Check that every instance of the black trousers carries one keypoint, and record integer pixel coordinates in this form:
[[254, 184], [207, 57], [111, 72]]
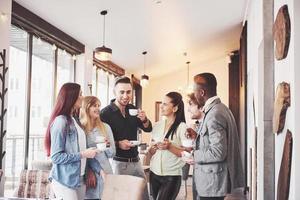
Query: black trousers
[[164, 187]]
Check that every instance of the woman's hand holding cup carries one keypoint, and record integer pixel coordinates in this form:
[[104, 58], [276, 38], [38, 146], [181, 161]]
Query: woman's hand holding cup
[[89, 153]]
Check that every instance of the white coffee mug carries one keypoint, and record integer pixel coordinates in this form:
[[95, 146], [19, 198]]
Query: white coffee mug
[[187, 143], [101, 146], [133, 112]]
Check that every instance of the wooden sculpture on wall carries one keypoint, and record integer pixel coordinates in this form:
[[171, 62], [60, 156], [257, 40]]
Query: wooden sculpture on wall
[[283, 184], [281, 104], [282, 32]]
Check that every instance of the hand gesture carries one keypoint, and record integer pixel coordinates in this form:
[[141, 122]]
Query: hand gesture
[[91, 180], [89, 153], [153, 149], [141, 115], [164, 145], [190, 133]]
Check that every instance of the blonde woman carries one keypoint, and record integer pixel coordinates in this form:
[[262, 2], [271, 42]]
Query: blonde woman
[[96, 129]]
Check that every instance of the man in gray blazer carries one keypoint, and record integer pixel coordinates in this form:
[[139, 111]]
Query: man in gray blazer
[[217, 159]]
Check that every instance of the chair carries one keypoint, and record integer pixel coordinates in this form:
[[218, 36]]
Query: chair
[[33, 184], [124, 187], [41, 164]]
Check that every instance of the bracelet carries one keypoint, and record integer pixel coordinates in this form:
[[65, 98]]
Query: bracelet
[[145, 120]]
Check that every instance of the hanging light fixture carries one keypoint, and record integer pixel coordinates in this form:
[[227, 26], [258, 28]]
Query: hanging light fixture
[[144, 78], [103, 53], [189, 88]]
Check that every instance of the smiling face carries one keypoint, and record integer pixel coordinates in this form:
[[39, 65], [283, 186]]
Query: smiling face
[[194, 111], [94, 110], [123, 93], [167, 107]]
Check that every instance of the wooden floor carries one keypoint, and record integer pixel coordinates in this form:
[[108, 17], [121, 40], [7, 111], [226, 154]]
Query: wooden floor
[[237, 195]]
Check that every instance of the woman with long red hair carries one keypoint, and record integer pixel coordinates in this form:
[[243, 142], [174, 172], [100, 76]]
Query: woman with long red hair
[[65, 143]]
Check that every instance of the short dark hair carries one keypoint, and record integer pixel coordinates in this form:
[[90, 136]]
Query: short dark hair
[[122, 79], [209, 84]]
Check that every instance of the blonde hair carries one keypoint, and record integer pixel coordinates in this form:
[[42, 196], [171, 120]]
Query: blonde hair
[[85, 117]]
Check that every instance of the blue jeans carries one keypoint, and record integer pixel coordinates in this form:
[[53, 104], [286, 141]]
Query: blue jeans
[[131, 168]]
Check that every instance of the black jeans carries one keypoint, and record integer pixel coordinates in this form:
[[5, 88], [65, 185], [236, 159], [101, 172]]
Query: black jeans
[[164, 187]]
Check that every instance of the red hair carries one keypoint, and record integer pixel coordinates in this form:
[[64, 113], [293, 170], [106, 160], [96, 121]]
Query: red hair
[[65, 101]]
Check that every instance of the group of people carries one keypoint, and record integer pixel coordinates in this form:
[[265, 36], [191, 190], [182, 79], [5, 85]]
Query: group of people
[[79, 168]]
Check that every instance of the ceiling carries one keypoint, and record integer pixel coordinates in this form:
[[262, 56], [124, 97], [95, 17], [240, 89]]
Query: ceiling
[[206, 30]]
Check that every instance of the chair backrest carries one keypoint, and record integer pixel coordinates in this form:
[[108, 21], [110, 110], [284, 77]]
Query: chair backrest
[[124, 187], [41, 164], [33, 184]]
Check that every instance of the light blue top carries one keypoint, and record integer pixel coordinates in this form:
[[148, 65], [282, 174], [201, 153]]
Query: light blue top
[[100, 159], [65, 153]]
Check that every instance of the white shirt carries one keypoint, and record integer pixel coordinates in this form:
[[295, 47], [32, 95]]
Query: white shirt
[[82, 145], [164, 162], [208, 102]]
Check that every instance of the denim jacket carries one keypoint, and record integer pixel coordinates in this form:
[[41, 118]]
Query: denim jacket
[[65, 153]]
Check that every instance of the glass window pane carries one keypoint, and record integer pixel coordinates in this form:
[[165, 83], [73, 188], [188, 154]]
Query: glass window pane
[[14, 158], [41, 98], [111, 87], [94, 81], [65, 68], [102, 90]]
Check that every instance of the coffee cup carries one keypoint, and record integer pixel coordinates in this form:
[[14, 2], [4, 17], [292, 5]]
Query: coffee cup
[[134, 142], [133, 112], [187, 143], [101, 146]]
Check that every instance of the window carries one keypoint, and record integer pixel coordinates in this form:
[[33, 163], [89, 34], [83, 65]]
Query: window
[[65, 68], [16, 108], [41, 98], [36, 69]]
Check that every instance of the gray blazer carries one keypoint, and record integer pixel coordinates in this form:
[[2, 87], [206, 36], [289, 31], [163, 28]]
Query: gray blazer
[[218, 165]]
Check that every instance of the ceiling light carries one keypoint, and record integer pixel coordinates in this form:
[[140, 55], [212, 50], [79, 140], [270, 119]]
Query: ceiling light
[[74, 57], [144, 78], [3, 16], [103, 53]]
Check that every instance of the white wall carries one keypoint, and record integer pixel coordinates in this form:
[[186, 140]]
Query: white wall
[[5, 7], [285, 70], [160, 86]]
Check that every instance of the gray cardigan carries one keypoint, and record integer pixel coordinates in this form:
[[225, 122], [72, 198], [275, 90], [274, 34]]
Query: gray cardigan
[[217, 155], [102, 158]]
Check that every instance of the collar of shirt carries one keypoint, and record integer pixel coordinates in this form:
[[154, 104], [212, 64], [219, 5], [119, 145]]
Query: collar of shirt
[[113, 106], [208, 102]]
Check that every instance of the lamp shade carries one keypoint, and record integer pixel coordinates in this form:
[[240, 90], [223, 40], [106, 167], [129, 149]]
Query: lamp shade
[[144, 81], [103, 53]]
